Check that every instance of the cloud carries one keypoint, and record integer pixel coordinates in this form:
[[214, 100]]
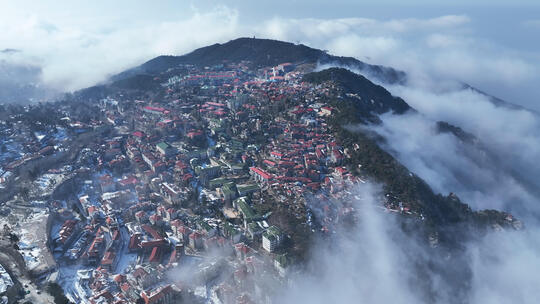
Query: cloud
[[532, 23], [497, 170], [501, 265], [283, 28], [442, 41], [377, 260], [20, 81], [449, 21], [361, 266], [72, 57], [429, 50], [373, 261], [471, 170]]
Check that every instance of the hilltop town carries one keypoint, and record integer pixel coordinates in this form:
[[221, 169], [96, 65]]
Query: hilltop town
[[199, 184]]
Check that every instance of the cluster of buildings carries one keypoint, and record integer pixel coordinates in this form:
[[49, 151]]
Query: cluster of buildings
[[181, 188]]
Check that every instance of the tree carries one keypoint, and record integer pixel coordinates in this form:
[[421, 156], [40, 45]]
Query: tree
[[58, 293], [25, 193]]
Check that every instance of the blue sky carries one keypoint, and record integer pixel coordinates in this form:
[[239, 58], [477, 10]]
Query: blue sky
[[490, 44]]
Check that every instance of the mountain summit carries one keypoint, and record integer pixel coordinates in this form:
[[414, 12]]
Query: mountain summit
[[261, 53]]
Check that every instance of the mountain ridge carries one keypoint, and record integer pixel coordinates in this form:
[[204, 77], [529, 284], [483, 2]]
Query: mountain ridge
[[262, 52], [375, 100], [362, 108], [279, 52]]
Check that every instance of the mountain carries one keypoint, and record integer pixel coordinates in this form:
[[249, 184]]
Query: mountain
[[370, 99], [358, 101], [497, 101], [262, 53], [269, 52]]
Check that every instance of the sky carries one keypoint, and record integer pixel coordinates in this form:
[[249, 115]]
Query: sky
[[488, 44]]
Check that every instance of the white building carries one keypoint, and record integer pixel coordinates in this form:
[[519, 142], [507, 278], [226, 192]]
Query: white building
[[271, 239]]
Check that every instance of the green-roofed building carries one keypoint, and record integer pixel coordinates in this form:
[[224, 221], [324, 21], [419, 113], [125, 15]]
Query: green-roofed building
[[165, 149], [254, 230], [229, 191], [242, 205], [246, 189], [281, 263], [218, 182], [207, 173], [210, 231]]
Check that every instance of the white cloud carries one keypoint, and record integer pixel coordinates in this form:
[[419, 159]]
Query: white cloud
[[449, 21], [313, 28], [376, 261], [362, 265], [352, 45], [498, 171], [73, 57], [502, 268], [429, 50], [432, 48], [442, 41], [472, 172], [532, 23]]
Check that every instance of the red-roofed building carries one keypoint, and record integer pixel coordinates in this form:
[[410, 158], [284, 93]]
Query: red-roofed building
[[194, 134], [152, 232], [241, 250], [260, 174], [155, 256], [156, 219], [336, 157], [138, 135], [269, 163], [66, 233], [154, 110], [92, 210], [120, 278], [195, 240], [134, 242], [147, 245], [141, 216], [109, 260], [276, 155], [163, 295], [128, 181]]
